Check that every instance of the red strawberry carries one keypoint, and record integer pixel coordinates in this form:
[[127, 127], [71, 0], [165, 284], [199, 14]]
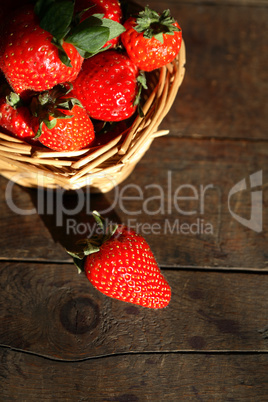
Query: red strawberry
[[69, 134], [29, 59], [15, 117], [46, 45], [121, 265], [63, 124], [152, 40], [110, 9], [107, 86]]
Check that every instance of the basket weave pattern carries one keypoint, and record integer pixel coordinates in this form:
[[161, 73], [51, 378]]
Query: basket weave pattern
[[101, 168]]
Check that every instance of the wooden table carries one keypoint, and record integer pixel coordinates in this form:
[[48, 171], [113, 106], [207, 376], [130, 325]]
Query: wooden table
[[60, 339]]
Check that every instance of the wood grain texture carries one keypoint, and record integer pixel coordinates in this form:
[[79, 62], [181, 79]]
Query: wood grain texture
[[226, 83], [52, 311], [166, 171], [133, 378], [149, 202], [60, 339], [158, 4], [224, 95]]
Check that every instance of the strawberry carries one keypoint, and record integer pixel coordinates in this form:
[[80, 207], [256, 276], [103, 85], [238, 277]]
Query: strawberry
[[60, 121], [45, 45], [29, 59], [16, 117], [110, 9], [151, 40], [121, 265], [107, 86]]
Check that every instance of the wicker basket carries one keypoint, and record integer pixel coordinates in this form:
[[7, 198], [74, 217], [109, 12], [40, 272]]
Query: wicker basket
[[103, 167]]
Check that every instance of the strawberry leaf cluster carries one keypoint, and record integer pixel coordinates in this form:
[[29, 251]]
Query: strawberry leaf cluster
[[155, 25], [49, 106], [88, 37]]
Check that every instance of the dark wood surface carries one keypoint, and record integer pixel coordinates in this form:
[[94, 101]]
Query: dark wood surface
[[60, 339]]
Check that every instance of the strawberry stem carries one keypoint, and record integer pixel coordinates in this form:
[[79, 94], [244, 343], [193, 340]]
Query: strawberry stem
[[152, 24], [14, 100], [51, 105], [84, 247]]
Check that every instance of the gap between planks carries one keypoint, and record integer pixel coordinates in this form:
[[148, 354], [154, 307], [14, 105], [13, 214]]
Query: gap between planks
[[142, 352], [246, 270]]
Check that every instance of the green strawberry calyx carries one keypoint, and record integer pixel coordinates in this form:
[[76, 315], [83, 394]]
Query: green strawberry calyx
[[155, 25], [88, 37], [14, 100], [84, 247], [51, 105], [142, 84]]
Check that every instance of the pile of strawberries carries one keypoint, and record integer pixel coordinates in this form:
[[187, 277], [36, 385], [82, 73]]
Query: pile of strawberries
[[68, 65]]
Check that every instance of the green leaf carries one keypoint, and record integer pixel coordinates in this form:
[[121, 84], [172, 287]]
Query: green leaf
[[82, 248], [141, 79], [68, 104], [141, 84], [155, 25], [44, 98], [50, 123], [92, 34], [99, 16], [76, 254], [41, 7], [140, 111], [89, 39], [99, 220], [70, 85], [159, 37], [83, 53], [58, 114], [14, 100], [57, 18], [63, 56], [115, 28], [39, 131], [86, 55], [79, 264]]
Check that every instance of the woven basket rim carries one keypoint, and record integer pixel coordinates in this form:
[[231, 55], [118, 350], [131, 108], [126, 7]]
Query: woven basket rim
[[103, 167]]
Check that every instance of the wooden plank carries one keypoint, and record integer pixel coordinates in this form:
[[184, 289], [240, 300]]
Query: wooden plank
[[150, 377], [225, 87], [171, 4], [52, 311], [198, 232], [35, 221]]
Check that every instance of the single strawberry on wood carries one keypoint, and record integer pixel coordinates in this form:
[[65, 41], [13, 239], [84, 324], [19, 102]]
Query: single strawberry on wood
[[121, 265], [107, 86], [152, 40]]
